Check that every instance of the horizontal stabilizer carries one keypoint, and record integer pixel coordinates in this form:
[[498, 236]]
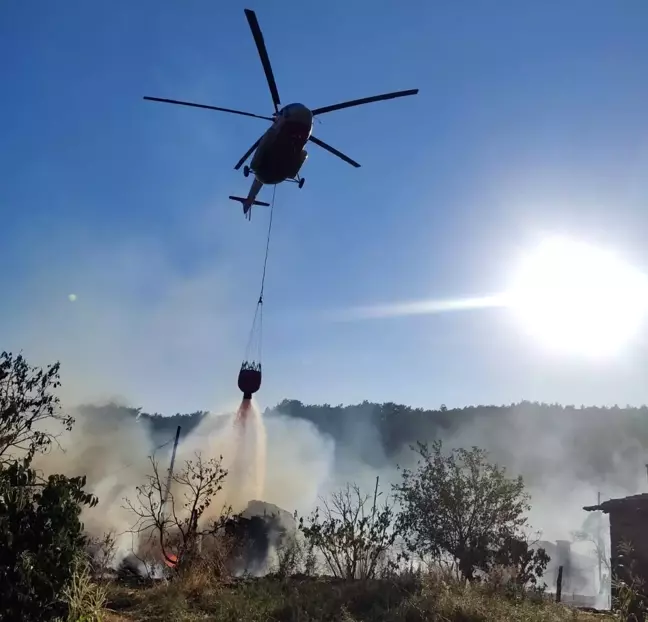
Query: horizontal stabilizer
[[244, 201]]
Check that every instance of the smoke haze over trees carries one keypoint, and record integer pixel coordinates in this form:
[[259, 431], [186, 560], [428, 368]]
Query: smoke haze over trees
[[598, 446], [566, 454]]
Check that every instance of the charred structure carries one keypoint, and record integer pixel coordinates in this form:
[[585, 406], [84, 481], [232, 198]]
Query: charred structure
[[628, 539], [578, 572], [261, 528], [256, 531]]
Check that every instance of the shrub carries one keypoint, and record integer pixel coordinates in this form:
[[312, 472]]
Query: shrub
[[40, 538]]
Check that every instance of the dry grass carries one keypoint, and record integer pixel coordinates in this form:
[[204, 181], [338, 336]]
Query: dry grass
[[84, 597], [195, 597]]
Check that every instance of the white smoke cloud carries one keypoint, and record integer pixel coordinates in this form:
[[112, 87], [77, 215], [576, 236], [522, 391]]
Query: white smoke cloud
[[276, 459], [299, 463], [565, 456]]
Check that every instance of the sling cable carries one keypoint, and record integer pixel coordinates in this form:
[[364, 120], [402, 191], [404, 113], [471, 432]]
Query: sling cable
[[249, 378]]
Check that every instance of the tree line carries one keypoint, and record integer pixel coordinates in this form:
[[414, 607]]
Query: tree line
[[605, 445]]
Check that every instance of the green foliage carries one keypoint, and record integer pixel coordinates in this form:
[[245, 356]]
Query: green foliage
[[528, 564], [291, 557], [40, 537], [40, 530], [29, 410], [460, 506], [352, 536]]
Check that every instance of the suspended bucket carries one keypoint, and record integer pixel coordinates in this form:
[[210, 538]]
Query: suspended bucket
[[249, 379]]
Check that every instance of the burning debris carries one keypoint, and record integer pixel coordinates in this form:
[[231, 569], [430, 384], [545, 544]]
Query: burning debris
[[244, 543], [260, 529]]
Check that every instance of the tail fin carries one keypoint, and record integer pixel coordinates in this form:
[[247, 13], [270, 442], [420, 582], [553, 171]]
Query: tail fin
[[245, 202]]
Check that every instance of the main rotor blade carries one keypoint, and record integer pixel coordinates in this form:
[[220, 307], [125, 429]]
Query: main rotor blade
[[263, 53], [175, 101], [240, 163], [330, 149], [365, 100]]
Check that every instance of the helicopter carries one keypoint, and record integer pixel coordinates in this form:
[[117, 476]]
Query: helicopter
[[279, 153]]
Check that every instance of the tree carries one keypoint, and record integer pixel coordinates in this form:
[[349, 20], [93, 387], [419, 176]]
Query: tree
[[529, 564], [40, 531], [40, 538], [352, 536], [29, 410], [170, 520], [459, 505]]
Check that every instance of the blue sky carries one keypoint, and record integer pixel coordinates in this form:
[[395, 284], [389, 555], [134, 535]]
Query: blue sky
[[530, 118]]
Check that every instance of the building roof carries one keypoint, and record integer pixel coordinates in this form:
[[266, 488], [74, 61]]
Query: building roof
[[633, 502]]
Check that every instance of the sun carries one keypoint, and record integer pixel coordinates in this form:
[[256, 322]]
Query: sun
[[579, 299]]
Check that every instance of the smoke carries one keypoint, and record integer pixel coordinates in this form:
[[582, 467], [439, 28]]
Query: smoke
[[566, 456], [247, 473], [240, 441], [299, 462], [280, 461], [110, 448]]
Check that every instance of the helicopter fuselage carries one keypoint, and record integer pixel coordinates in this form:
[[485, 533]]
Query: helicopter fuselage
[[281, 154]]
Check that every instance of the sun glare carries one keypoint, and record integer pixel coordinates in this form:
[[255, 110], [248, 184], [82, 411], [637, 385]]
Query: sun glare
[[576, 298]]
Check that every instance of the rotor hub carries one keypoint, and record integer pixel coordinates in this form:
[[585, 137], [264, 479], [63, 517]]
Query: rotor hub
[[297, 113]]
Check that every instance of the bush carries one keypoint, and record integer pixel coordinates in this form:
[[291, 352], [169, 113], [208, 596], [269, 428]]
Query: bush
[[352, 533], [460, 506], [40, 538], [171, 522]]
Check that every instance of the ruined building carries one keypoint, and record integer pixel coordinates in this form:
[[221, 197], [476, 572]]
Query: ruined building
[[628, 537]]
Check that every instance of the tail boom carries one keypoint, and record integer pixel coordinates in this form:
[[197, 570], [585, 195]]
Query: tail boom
[[247, 203], [251, 199]]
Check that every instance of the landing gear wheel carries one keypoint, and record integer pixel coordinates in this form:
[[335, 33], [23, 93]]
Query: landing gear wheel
[[302, 181], [246, 171]]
